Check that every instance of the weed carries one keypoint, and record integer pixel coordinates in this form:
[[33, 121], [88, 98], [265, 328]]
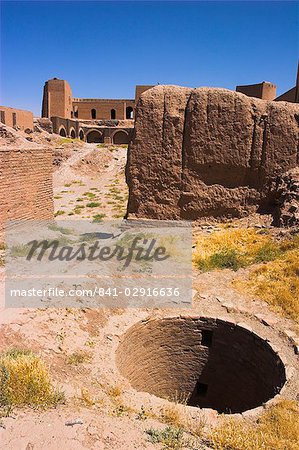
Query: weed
[[98, 217], [69, 141], [114, 391], [89, 194], [142, 414], [90, 343], [170, 437], [93, 204], [86, 398], [225, 259], [20, 250], [62, 230], [25, 381], [121, 410], [268, 252], [77, 358], [59, 213]]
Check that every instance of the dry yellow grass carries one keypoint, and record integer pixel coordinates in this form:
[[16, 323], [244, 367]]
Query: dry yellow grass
[[277, 429], [177, 416], [238, 247], [275, 280], [277, 283], [25, 381]]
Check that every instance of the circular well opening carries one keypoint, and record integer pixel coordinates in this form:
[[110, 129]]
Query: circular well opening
[[203, 362]]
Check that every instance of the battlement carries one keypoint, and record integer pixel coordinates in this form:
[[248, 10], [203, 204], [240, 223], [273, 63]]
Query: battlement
[[59, 102]]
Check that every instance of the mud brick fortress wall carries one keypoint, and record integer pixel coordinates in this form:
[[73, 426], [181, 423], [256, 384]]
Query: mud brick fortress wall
[[96, 120], [17, 118], [59, 102], [26, 189]]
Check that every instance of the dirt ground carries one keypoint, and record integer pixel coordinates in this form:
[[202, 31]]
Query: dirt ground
[[89, 182]]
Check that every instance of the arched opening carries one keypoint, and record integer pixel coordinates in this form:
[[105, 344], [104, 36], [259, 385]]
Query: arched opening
[[93, 114], [120, 137], [94, 136], [129, 112], [113, 114], [62, 132], [76, 112], [81, 135], [73, 134]]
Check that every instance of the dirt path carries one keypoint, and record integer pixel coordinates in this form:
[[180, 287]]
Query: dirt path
[[91, 184]]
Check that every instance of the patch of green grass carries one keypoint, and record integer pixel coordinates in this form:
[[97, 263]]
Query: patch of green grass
[[69, 141], [62, 230], [267, 252], [25, 381], [59, 213], [20, 250], [89, 194], [225, 259], [78, 209], [93, 204], [98, 217], [115, 190], [170, 437]]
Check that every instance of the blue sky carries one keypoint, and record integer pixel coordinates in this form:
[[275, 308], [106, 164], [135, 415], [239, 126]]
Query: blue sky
[[103, 49]]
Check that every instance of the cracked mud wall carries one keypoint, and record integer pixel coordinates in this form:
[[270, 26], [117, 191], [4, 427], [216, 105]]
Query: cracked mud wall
[[208, 152]]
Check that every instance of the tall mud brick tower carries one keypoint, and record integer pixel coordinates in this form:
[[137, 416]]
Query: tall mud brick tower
[[57, 99]]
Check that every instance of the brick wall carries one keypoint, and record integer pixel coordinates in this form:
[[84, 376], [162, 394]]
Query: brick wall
[[57, 99], [16, 117], [102, 107], [26, 189], [264, 90]]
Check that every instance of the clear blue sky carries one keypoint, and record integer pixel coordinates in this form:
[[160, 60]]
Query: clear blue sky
[[103, 49]]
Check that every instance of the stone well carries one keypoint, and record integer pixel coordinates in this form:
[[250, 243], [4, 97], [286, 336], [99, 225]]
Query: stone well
[[204, 362]]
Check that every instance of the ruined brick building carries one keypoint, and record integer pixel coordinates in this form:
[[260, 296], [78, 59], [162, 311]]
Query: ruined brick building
[[112, 120], [93, 120]]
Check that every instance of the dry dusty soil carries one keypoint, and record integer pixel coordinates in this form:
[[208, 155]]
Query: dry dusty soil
[[101, 409]]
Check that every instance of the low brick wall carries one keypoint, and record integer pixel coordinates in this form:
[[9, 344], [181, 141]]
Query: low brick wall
[[26, 187], [19, 118]]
